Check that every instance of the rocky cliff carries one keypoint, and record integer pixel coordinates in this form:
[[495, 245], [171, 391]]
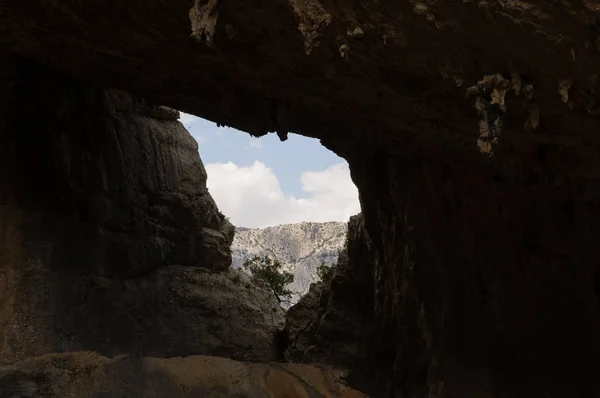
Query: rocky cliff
[[301, 248], [471, 131], [110, 240]]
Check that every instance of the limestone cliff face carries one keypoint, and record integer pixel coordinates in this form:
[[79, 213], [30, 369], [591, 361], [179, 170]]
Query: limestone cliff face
[[109, 238], [300, 247]]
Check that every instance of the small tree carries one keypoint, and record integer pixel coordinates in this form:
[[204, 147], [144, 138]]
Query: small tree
[[325, 273], [269, 274]]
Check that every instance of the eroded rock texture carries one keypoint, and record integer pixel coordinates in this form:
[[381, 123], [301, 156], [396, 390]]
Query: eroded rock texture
[[335, 324], [301, 248], [100, 193], [471, 130], [483, 286], [487, 280], [88, 375]]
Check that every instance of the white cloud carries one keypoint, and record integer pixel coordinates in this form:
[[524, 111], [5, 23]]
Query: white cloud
[[252, 197]]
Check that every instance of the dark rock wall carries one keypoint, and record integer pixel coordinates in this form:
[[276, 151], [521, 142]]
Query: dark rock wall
[[99, 191], [119, 177], [486, 280], [485, 285], [334, 323]]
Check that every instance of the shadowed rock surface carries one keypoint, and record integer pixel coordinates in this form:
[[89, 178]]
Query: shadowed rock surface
[[100, 193], [334, 323], [87, 375], [471, 130], [175, 311]]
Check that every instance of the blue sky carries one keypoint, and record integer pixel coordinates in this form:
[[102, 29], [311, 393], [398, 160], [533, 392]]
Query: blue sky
[[259, 182]]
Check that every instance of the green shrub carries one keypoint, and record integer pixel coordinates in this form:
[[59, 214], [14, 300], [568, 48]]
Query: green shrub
[[269, 274], [325, 273]]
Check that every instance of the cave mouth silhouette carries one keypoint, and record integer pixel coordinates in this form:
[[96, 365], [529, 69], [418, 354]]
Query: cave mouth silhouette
[[267, 181]]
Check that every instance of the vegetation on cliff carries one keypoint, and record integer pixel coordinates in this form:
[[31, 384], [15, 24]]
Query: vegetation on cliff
[[270, 275]]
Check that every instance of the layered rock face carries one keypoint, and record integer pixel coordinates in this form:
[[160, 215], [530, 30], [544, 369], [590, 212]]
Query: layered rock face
[[88, 375], [110, 240], [471, 130], [300, 248]]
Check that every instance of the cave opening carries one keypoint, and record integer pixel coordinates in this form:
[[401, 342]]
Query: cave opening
[[262, 182], [111, 238], [466, 275], [289, 200]]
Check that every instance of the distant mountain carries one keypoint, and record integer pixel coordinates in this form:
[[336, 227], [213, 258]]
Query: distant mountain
[[301, 248]]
